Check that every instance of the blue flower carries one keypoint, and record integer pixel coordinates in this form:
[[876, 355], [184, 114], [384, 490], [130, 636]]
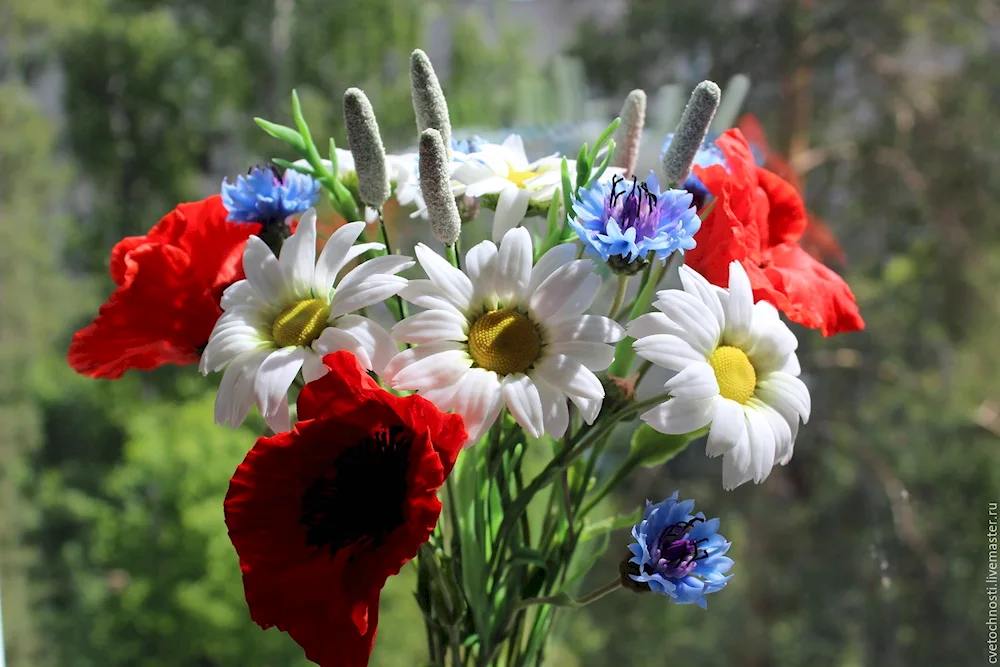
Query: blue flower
[[264, 196], [677, 554], [630, 219], [709, 154], [473, 144]]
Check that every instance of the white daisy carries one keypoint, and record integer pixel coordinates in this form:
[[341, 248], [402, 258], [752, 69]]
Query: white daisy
[[503, 169], [401, 170], [736, 371], [504, 332], [287, 315]]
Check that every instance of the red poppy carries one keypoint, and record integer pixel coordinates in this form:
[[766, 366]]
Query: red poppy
[[322, 515], [169, 282], [817, 240], [759, 219]]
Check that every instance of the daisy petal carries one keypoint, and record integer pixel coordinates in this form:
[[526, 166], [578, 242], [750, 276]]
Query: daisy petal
[[733, 475], [582, 299], [569, 376], [695, 284], [589, 408], [558, 256], [235, 397], [524, 402], [679, 415], [739, 315], [333, 257], [692, 317], [425, 294], [428, 366], [788, 390], [595, 356], [272, 382], [694, 382], [454, 284], [334, 339], [667, 351], [480, 266], [512, 205], [729, 429], [554, 410], [559, 288], [650, 324], [263, 272], [783, 440], [313, 368], [479, 400], [513, 267], [298, 257], [369, 283], [430, 326], [762, 445], [587, 328], [379, 346]]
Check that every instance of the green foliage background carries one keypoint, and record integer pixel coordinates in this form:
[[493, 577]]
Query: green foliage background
[[869, 549]]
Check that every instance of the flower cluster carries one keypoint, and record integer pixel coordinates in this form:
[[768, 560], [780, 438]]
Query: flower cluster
[[384, 378]]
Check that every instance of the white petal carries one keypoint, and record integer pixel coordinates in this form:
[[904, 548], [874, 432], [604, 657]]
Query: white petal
[[558, 256], [667, 351], [240, 293], [595, 356], [333, 257], [783, 388], [694, 382], [454, 284], [739, 309], [230, 339], [589, 408], [334, 339], [313, 368], [513, 268], [376, 341], [582, 299], [792, 366], [489, 185], [560, 287], [692, 317], [235, 397], [478, 400], [588, 328], [271, 385], [512, 205], [514, 145], [679, 415], [263, 272], [650, 324], [425, 294], [554, 410], [480, 266], [729, 428], [570, 376], [733, 474], [369, 283], [762, 445], [524, 403], [432, 325], [298, 257], [696, 284], [428, 366], [770, 341], [783, 439]]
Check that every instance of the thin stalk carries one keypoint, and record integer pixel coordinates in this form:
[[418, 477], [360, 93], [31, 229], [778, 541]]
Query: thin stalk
[[564, 601], [619, 295], [624, 470], [451, 254], [399, 312], [624, 354]]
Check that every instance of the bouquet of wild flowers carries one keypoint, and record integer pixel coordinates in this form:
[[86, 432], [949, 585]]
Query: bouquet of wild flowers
[[420, 400]]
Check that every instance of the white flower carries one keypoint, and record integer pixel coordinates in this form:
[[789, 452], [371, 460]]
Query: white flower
[[736, 371], [287, 315], [504, 170], [408, 192], [399, 167], [504, 332]]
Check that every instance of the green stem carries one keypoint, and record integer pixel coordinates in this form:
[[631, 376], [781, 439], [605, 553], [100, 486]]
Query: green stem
[[624, 354], [619, 295], [399, 311], [566, 601], [623, 471], [451, 255]]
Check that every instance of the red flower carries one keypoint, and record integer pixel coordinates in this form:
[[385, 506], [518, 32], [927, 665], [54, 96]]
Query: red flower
[[759, 219], [169, 282], [321, 516]]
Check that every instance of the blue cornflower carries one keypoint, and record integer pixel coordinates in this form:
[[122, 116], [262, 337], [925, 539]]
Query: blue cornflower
[[473, 144], [709, 154], [630, 219], [677, 554], [265, 196]]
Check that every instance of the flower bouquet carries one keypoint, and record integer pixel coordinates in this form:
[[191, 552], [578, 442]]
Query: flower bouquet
[[452, 404]]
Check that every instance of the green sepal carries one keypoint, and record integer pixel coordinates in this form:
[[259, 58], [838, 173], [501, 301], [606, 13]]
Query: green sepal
[[583, 164], [567, 190], [604, 138], [282, 133], [604, 163]]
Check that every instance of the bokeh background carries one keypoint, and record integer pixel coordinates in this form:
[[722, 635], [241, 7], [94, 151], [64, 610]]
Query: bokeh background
[[869, 549]]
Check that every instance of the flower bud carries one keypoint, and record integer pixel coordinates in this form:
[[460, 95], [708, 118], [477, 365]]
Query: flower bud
[[435, 186], [429, 104], [629, 133], [366, 147], [690, 132]]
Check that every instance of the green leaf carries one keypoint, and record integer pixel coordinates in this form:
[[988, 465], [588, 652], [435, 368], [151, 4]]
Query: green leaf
[[604, 138], [651, 448], [567, 189], [285, 164], [604, 163], [532, 556], [583, 164], [282, 133]]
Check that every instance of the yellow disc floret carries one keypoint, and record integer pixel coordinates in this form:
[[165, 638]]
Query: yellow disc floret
[[301, 323], [518, 178], [734, 373], [504, 341]]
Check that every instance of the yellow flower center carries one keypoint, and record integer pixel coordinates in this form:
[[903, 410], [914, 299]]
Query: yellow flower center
[[301, 323], [734, 373], [519, 177], [504, 341]]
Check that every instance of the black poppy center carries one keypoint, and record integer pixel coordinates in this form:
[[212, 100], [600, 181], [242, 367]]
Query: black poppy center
[[363, 498]]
